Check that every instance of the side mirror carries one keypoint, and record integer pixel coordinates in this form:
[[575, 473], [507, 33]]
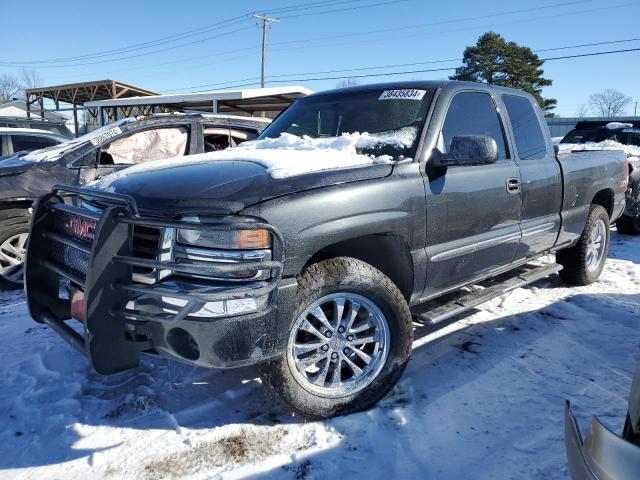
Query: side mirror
[[470, 150]]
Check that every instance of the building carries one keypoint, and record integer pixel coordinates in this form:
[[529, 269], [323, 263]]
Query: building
[[18, 109], [251, 101]]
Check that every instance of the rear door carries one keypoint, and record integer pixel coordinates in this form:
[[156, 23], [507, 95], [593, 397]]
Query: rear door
[[472, 215], [539, 173]]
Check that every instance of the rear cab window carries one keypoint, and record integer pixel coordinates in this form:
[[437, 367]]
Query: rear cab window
[[530, 142], [474, 113]]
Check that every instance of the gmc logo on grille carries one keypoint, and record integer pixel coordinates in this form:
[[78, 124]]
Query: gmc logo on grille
[[82, 228]]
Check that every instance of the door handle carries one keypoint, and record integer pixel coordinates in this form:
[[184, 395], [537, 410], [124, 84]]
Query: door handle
[[513, 185]]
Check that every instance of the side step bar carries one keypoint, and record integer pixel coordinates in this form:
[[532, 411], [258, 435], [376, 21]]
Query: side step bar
[[431, 313]]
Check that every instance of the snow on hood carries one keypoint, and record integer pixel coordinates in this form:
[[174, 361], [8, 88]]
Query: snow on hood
[[288, 155]]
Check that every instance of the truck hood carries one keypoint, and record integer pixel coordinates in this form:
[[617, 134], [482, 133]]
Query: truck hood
[[12, 165], [224, 186]]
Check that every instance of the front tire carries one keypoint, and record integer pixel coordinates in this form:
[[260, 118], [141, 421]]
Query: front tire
[[14, 231], [348, 343], [583, 263]]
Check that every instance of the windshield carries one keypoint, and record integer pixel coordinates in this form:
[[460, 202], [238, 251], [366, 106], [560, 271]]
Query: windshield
[[94, 137], [394, 118]]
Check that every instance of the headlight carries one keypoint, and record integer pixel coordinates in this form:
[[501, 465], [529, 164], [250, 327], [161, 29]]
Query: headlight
[[256, 239]]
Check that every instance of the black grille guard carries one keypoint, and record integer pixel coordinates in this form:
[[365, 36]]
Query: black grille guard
[[108, 283]]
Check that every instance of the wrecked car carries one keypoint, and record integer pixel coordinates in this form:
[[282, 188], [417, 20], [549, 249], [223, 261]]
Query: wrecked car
[[24, 177], [312, 251], [615, 135], [603, 455]]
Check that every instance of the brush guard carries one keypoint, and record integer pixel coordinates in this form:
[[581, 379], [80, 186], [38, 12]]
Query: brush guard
[[107, 284]]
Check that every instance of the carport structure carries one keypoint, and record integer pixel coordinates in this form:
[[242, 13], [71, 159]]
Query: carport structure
[[252, 101], [79, 94]]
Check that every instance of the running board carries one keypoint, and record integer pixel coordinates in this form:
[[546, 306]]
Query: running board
[[434, 312]]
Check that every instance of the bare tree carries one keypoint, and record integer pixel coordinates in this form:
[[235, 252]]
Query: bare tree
[[29, 78], [347, 82], [582, 110], [609, 103], [9, 88]]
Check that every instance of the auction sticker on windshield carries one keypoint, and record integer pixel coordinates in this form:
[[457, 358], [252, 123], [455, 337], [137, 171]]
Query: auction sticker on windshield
[[404, 94], [103, 137]]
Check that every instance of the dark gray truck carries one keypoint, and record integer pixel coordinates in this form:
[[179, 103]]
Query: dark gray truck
[[310, 267]]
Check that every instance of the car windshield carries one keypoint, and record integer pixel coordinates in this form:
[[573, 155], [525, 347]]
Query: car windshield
[[393, 117], [55, 151]]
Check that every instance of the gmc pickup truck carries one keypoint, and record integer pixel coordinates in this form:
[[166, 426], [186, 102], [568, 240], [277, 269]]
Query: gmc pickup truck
[[312, 251]]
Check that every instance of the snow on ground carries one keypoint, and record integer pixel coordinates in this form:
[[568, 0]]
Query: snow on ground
[[481, 398]]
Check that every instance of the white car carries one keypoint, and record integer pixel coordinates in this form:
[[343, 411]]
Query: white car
[[14, 140]]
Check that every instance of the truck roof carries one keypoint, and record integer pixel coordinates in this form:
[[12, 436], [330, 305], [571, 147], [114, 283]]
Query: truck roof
[[424, 84]]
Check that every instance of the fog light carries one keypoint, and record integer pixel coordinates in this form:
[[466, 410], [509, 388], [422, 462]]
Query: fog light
[[222, 308]]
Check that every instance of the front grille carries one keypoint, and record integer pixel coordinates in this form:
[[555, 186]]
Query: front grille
[[146, 244], [72, 258], [62, 245]]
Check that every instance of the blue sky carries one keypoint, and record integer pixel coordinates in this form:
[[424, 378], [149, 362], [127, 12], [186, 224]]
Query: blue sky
[[369, 33]]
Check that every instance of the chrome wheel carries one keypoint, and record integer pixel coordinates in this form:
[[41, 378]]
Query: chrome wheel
[[596, 245], [338, 345], [12, 254]]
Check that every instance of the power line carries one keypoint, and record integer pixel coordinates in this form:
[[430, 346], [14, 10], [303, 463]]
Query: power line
[[403, 28], [191, 33], [408, 72], [242, 82]]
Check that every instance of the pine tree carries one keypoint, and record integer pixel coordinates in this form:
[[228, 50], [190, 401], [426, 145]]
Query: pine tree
[[498, 62]]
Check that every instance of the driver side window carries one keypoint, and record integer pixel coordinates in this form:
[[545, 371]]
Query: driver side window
[[473, 113]]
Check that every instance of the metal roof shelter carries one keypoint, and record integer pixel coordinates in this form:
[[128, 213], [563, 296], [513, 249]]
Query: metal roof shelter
[[80, 93], [247, 101]]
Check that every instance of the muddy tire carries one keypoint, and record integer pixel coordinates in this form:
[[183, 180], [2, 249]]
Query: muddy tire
[[14, 228], [628, 225], [349, 341], [583, 263]]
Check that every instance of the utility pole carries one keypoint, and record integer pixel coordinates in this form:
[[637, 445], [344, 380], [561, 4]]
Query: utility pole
[[264, 24], [635, 109]]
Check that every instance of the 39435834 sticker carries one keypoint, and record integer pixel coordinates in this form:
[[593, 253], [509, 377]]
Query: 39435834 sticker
[[403, 94], [103, 137]]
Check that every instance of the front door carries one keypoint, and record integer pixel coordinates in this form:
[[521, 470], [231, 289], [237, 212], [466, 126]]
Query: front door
[[473, 212]]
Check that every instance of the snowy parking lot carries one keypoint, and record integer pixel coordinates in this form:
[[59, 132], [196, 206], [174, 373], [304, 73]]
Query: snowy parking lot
[[482, 398]]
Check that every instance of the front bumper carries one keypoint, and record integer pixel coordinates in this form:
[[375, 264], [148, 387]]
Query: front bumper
[[116, 330], [602, 455]]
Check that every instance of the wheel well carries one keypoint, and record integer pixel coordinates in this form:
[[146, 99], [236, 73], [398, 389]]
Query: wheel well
[[389, 253], [605, 198]]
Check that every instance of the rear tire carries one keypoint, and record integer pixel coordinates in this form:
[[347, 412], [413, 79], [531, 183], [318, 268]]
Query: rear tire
[[359, 303], [583, 263], [628, 225], [14, 228]]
